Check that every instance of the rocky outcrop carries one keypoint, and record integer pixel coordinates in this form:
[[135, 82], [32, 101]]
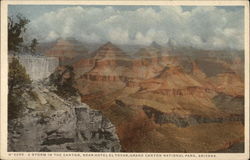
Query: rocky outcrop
[[50, 124], [67, 51], [38, 67], [192, 90], [229, 104], [153, 50], [162, 118], [109, 51], [68, 48], [83, 66], [211, 67], [101, 77]]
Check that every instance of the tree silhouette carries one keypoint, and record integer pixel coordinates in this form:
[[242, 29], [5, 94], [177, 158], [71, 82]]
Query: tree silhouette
[[33, 46], [16, 28]]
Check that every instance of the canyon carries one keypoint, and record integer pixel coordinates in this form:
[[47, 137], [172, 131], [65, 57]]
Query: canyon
[[160, 95], [158, 99], [161, 100]]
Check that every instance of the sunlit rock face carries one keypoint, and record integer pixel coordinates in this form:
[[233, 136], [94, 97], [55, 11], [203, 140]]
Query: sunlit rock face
[[38, 67]]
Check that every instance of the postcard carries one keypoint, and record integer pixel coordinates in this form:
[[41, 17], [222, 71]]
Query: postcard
[[125, 80]]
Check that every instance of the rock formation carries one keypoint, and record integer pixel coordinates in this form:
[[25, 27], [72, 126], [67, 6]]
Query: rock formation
[[51, 123], [161, 96], [54, 119], [67, 50], [109, 51]]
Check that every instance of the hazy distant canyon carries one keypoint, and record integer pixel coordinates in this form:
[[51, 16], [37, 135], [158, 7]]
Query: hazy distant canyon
[[158, 98]]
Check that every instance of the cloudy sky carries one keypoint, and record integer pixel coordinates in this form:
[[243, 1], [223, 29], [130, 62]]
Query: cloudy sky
[[206, 27]]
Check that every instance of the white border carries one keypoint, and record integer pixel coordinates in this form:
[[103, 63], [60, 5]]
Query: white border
[[4, 71]]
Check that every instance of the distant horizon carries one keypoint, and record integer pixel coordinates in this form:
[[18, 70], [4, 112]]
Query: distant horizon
[[140, 45]]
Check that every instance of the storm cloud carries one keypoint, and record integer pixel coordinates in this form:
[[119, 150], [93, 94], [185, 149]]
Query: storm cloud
[[203, 27]]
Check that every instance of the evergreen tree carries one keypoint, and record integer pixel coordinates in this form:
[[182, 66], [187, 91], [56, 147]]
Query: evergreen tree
[[16, 28], [33, 46]]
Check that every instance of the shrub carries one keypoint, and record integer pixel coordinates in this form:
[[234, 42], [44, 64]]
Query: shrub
[[18, 79], [17, 76], [16, 104], [64, 81]]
